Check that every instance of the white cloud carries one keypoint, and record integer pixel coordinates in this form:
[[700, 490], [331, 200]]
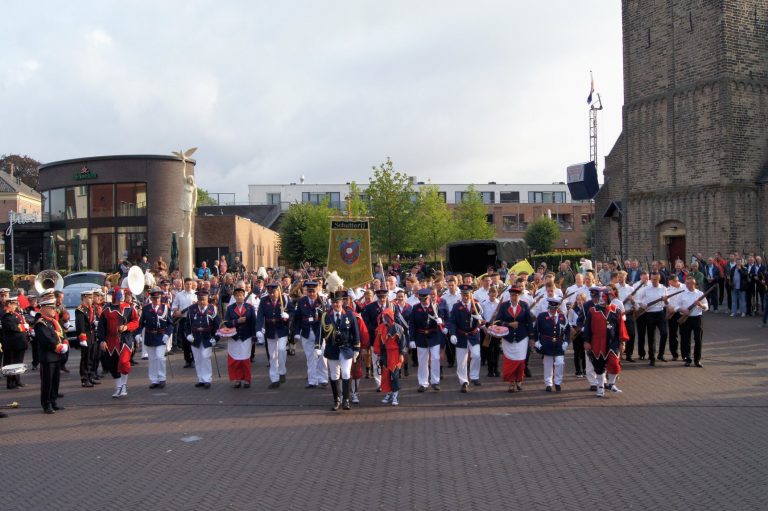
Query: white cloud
[[99, 37]]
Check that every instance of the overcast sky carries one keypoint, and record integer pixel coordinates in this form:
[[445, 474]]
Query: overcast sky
[[452, 91]]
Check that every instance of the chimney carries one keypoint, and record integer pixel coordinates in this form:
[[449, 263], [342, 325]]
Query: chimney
[[11, 169]]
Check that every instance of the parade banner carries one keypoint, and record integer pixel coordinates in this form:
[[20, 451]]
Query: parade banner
[[349, 250], [523, 266]]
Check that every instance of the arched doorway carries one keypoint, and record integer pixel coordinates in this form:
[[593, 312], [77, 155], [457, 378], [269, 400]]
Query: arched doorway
[[671, 236]]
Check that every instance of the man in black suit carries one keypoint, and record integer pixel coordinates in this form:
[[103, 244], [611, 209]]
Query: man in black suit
[[712, 277], [52, 344]]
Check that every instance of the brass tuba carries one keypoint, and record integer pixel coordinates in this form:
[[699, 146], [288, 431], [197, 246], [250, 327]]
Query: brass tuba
[[48, 279]]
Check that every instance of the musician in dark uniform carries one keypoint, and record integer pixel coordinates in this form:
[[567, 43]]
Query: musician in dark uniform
[[272, 324], [29, 314], [241, 316], [425, 327], [156, 327], [306, 328], [117, 323], [465, 320], [200, 328], [14, 339], [51, 343], [515, 315], [552, 334], [85, 329], [604, 338], [342, 347]]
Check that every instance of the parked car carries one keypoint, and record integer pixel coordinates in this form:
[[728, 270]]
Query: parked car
[[72, 301], [94, 278]]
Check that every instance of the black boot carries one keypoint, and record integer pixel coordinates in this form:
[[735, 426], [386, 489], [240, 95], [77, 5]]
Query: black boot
[[335, 390], [345, 394]]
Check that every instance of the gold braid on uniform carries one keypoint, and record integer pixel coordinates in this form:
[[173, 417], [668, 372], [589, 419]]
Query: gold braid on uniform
[[327, 329]]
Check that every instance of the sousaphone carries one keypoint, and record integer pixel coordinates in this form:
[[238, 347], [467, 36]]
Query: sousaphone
[[135, 280], [48, 279]]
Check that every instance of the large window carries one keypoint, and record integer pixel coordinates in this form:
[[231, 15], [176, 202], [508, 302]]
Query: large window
[[564, 221], [273, 198], [514, 222], [509, 197], [131, 199], [45, 202], [131, 243], [103, 249], [442, 196], [488, 197], [59, 253], [76, 202], [546, 197], [58, 207], [102, 201]]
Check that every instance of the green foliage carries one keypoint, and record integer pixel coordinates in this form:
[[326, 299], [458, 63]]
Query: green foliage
[[541, 234], [391, 204], [471, 217], [433, 224], [589, 234], [355, 205], [6, 279], [304, 233], [204, 198], [23, 166]]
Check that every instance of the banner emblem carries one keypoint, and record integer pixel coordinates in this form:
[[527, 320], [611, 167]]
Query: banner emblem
[[350, 250]]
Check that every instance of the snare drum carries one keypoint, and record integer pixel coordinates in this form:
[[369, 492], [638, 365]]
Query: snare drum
[[498, 331], [14, 369]]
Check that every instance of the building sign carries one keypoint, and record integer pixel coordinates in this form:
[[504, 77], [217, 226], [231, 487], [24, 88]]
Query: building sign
[[84, 173], [22, 218]]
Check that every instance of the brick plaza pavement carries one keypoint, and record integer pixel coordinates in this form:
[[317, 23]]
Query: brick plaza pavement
[[677, 438]]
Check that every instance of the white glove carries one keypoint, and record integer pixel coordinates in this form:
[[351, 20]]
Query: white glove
[[64, 348], [318, 352], [310, 319], [190, 338], [477, 317], [297, 337], [284, 315], [445, 331], [412, 345], [26, 326], [165, 339], [565, 347], [259, 337], [439, 321], [83, 344], [137, 337], [213, 342], [537, 345], [454, 340]]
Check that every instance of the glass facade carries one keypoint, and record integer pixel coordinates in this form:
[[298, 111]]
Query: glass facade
[[82, 237]]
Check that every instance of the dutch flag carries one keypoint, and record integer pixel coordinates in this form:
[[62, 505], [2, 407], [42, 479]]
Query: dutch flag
[[591, 88]]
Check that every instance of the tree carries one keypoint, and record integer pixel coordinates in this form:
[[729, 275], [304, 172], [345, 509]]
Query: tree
[[541, 234], [433, 224], [205, 199], [355, 204], [23, 166], [471, 217], [304, 233], [391, 204]]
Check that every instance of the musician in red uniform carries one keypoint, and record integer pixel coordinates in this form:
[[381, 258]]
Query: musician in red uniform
[[605, 336], [390, 346], [117, 323]]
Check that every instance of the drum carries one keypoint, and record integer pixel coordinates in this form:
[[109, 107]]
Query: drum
[[498, 331], [14, 369], [226, 332]]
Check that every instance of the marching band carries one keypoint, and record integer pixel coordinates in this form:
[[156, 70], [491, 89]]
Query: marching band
[[434, 322]]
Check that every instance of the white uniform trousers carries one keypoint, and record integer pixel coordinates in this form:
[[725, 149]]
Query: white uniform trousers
[[277, 353], [340, 368], [156, 363], [461, 363], [375, 368], [317, 367], [554, 365], [590, 372], [203, 364], [429, 358]]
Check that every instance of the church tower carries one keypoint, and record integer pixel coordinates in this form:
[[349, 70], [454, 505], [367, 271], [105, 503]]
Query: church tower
[[689, 172]]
